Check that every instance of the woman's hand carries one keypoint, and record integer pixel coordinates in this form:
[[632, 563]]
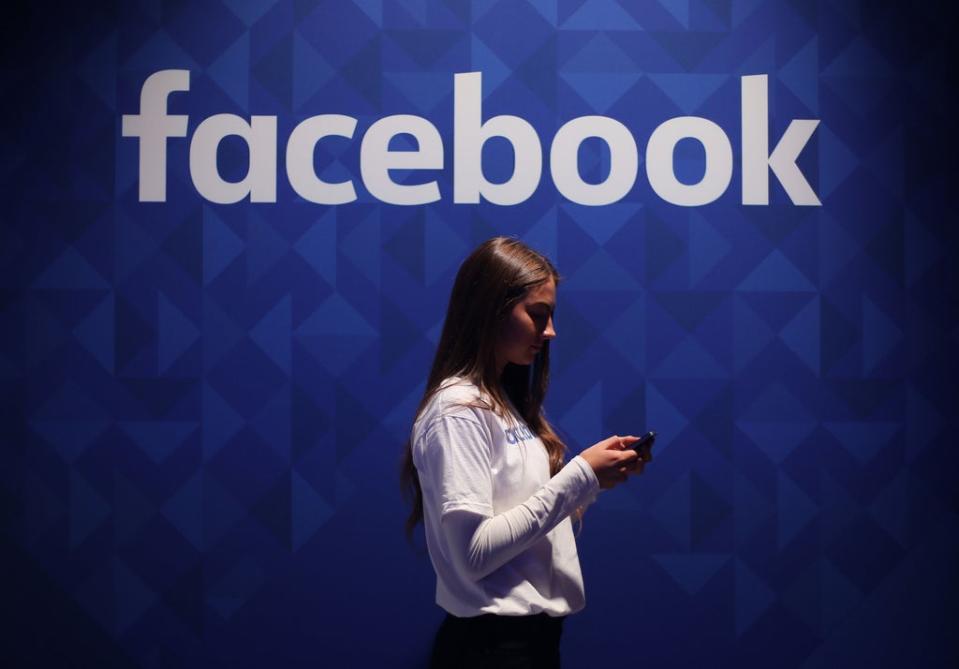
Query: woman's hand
[[612, 460]]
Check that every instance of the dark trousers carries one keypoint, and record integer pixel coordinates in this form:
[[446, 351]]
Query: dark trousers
[[498, 642]]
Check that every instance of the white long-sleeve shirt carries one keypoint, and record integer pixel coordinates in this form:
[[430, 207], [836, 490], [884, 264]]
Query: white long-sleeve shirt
[[497, 525]]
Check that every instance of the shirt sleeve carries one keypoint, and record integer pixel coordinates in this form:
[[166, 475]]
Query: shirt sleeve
[[458, 464], [457, 460]]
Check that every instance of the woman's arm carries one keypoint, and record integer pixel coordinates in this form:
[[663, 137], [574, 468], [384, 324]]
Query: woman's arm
[[481, 544], [455, 459]]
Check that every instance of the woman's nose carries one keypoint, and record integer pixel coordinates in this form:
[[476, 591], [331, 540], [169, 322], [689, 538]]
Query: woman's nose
[[550, 331]]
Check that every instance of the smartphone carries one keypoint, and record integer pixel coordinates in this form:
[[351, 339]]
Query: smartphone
[[644, 442]]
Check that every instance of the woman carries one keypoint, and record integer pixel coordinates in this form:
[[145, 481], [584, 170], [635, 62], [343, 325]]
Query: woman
[[486, 471]]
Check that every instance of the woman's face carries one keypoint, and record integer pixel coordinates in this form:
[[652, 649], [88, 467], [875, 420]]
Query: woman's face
[[528, 326]]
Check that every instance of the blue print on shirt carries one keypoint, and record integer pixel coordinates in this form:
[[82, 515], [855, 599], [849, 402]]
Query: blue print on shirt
[[516, 434]]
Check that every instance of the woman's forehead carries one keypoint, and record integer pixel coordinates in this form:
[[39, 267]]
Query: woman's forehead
[[544, 292]]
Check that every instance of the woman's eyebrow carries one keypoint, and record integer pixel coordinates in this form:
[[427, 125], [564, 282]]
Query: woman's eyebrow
[[551, 307]]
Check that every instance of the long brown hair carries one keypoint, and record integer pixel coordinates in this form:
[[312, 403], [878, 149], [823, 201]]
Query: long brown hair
[[495, 276]]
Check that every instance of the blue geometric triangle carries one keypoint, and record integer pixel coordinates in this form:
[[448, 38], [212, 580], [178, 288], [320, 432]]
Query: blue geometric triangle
[[801, 598], [425, 90], [743, 9], [601, 90], [753, 597], [133, 245], [894, 506], [158, 439], [131, 509], [837, 248], [777, 403], [220, 422], [271, 69], [310, 71], [71, 438], [691, 572], [417, 10], [132, 597], [858, 59], [750, 509], [583, 421], [543, 235], [175, 333], [838, 595], [88, 509], [631, 320], [673, 511], [547, 8], [689, 360], [599, 54], [310, 511], [373, 9], [776, 274], [863, 95], [601, 223], [669, 420], [689, 91], [225, 605], [482, 59], [709, 15], [231, 71], [184, 510], [709, 509], [801, 74], [265, 246], [751, 334], [795, 509], [923, 423], [802, 335], [706, 247], [235, 588], [923, 249], [601, 272], [272, 333], [762, 60], [99, 70], [95, 596], [96, 333], [679, 9], [160, 48], [601, 15], [249, 12], [335, 352], [220, 245], [880, 335], [836, 161], [70, 271], [362, 246], [840, 509], [343, 488], [777, 439], [220, 333], [72, 401], [336, 316], [863, 440], [317, 246], [479, 8], [221, 512], [443, 248], [273, 423]]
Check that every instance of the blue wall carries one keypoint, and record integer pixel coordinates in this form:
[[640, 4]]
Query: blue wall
[[204, 405]]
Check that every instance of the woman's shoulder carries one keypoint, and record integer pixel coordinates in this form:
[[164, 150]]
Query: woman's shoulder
[[456, 396], [458, 391]]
